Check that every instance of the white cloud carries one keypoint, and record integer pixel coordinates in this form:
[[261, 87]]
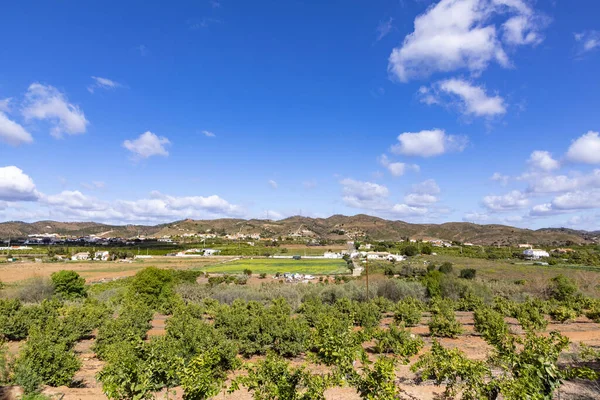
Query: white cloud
[[542, 160], [563, 183], [461, 34], [13, 133], [15, 185], [147, 145], [428, 143], [587, 41], [498, 177], [45, 102], [585, 149], [208, 134], [5, 104], [577, 200], [102, 83], [423, 193], [466, 97], [397, 168], [405, 210], [360, 194], [384, 28], [476, 217], [513, 200], [74, 200], [272, 183]]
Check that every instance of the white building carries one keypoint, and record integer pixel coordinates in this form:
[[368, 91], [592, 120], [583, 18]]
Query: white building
[[211, 252], [535, 254], [331, 254], [101, 255], [377, 255], [83, 256], [395, 257]]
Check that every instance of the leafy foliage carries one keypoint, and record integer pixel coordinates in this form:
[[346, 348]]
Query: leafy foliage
[[443, 321], [408, 311], [68, 284], [399, 341], [378, 382]]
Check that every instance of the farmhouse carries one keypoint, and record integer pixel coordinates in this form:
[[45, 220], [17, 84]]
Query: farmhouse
[[375, 255], [83, 256], [101, 255], [211, 252], [331, 254], [535, 254]]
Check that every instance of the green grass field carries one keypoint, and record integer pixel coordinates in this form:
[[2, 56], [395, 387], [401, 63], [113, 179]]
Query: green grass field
[[272, 266]]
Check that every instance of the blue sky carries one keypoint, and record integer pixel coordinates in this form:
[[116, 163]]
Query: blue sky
[[425, 111]]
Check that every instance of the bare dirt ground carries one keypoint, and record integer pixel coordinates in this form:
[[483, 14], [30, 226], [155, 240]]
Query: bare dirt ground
[[581, 330], [99, 270]]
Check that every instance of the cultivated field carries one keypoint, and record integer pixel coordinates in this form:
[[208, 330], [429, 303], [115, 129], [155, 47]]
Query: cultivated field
[[272, 266]]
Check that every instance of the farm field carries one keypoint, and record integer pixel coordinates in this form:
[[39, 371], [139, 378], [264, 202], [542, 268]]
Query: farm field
[[98, 270], [274, 265]]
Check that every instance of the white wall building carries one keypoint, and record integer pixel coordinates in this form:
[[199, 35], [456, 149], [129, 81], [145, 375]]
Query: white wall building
[[101, 255], [535, 254], [83, 256]]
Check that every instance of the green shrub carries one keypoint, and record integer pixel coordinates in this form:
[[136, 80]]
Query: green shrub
[[46, 358], [562, 313], [408, 311], [410, 251], [35, 290], [456, 371], [443, 322], [469, 302], [395, 289], [335, 343], [468, 273], [16, 320], [504, 306], [5, 364], [273, 378], [367, 314], [68, 284], [126, 376], [446, 268], [262, 276], [153, 287], [530, 316], [379, 382], [562, 288], [247, 272], [491, 325], [399, 341], [202, 378], [81, 320]]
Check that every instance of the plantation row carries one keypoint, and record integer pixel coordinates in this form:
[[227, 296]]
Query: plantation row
[[206, 340]]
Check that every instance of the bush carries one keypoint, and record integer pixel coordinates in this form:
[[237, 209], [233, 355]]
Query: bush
[[378, 382], [408, 311], [367, 314], [126, 376], [410, 251], [35, 290], [491, 325], [153, 287], [202, 378], [68, 284], [46, 358], [446, 268], [530, 316], [247, 272], [562, 288], [16, 320], [273, 378], [395, 290], [399, 341], [443, 321], [468, 273], [335, 343], [562, 313], [262, 276]]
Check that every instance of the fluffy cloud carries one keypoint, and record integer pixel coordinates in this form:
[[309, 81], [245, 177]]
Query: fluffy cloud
[[15, 185], [423, 193], [272, 183], [74, 200], [476, 217], [45, 102], [587, 41], [513, 200], [563, 183], [360, 194], [543, 160], [461, 34], [397, 168], [147, 145], [585, 149], [102, 83], [468, 98], [428, 143], [406, 210], [13, 133], [208, 134]]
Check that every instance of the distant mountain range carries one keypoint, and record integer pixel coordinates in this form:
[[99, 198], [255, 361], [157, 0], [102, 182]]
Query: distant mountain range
[[338, 227]]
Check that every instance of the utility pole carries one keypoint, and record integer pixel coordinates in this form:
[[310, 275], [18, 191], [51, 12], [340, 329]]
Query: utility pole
[[367, 273]]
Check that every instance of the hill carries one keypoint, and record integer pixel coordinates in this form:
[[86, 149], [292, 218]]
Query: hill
[[336, 227]]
